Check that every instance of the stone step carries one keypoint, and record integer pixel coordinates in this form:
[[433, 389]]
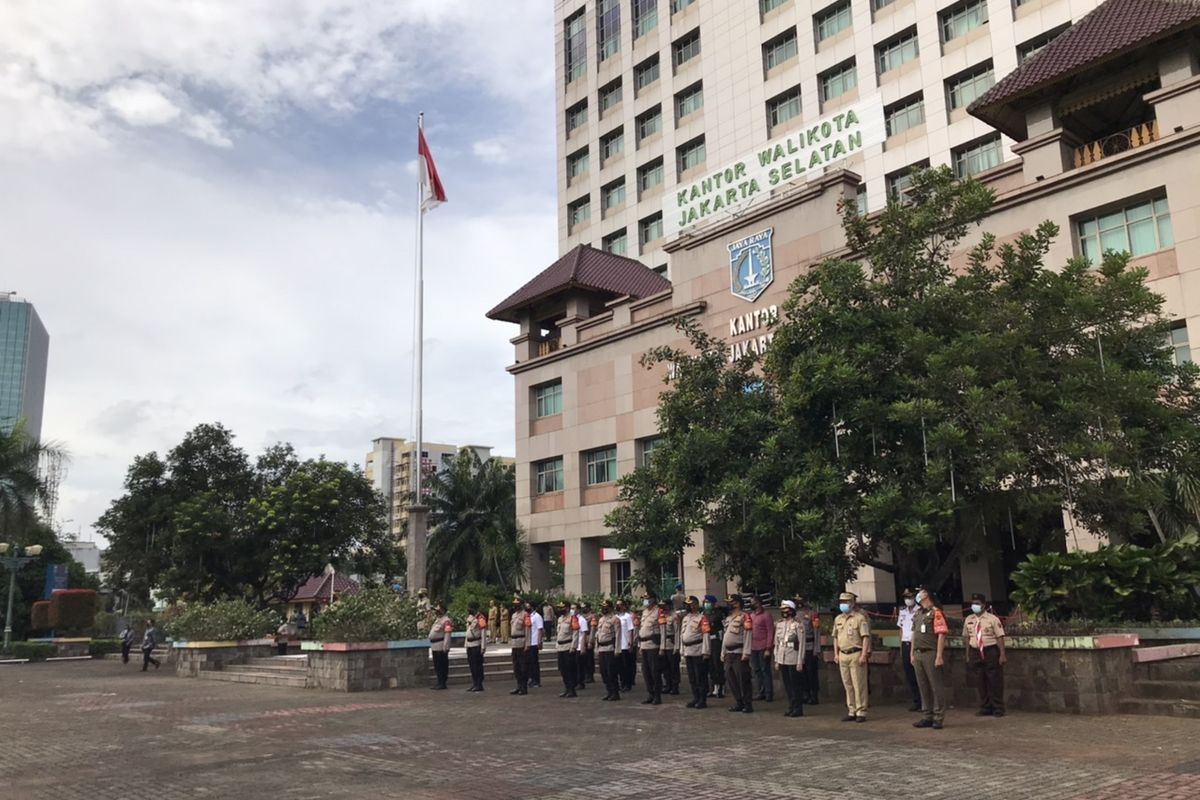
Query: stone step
[[136, 655], [271, 669], [1175, 669], [1161, 708], [1167, 690], [243, 675], [278, 663]]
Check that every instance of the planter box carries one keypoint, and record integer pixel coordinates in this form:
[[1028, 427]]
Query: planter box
[[65, 647], [192, 658], [367, 666]]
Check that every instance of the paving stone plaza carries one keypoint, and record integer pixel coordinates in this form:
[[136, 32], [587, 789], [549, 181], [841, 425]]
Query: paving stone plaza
[[100, 730]]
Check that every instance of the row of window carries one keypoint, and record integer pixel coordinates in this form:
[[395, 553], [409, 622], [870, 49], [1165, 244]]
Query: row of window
[[599, 467], [644, 17]]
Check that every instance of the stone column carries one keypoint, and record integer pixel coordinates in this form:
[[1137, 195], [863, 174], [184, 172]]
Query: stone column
[[581, 572], [539, 567], [414, 551]]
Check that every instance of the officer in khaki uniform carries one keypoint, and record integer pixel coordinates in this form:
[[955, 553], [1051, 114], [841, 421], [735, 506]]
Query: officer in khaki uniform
[[439, 643], [565, 646], [851, 649], [735, 655], [477, 641], [788, 658], [668, 656], [983, 634], [928, 656], [809, 683], [518, 637], [693, 646], [606, 638], [650, 639]]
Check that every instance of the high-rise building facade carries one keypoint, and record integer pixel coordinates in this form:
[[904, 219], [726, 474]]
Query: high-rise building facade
[[653, 94], [24, 351]]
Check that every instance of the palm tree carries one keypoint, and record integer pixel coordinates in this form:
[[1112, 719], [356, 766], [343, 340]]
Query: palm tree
[[474, 534], [22, 484]]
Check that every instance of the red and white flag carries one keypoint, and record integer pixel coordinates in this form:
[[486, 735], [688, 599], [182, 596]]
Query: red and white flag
[[432, 193]]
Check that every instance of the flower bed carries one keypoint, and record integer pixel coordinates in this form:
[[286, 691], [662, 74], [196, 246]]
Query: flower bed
[[367, 666]]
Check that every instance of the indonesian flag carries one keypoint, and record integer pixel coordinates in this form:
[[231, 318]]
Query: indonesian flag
[[432, 193]]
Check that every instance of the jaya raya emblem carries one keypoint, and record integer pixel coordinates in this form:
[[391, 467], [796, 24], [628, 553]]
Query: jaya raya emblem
[[751, 269]]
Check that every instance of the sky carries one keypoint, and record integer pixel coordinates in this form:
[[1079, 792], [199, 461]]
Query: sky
[[212, 206]]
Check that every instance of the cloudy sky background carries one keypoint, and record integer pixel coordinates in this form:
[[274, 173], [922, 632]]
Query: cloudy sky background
[[211, 206]]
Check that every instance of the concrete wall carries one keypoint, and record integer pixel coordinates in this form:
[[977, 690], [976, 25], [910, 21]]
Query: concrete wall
[[368, 670]]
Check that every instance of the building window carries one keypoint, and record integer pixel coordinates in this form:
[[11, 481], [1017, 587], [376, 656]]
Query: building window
[[686, 48], [780, 49], [860, 199], [622, 571], [615, 243], [975, 157], [612, 145], [1035, 45], [832, 20], [547, 400], [680, 5], [645, 16], [837, 81], [878, 4], [645, 74], [649, 123], [576, 116], [899, 184], [783, 107], [1177, 340], [689, 100], [575, 45], [1137, 229], [613, 195], [650, 175], [962, 18], [905, 114], [608, 28], [578, 213], [769, 5], [650, 229], [964, 88], [646, 447], [610, 96], [690, 155], [600, 465], [898, 50], [577, 164], [548, 476]]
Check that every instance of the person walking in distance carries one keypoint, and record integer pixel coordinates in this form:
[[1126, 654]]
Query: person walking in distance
[[626, 662], [477, 642], [537, 631], [928, 654], [763, 638], [518, 639], [904, 621], [851, 649], [810, 683], [715, 615], [564, 647], [789, 657], [983, 634], [693, 645], [650, 637], [606, 638], [149, 642], [439, 642], [735, 655], [127, 639]]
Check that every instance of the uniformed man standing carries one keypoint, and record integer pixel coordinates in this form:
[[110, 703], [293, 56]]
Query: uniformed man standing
[[650, 637], [904, 621], [439, 642], [928, 648], [477, 641], [809, 684], [518, 635], [607, 641], [565, 647], [587, 666], [583, 647], [851, 649], [668, 655], [984, 636], [789, 657], [504, 625], [493, 620], [678, 600], [625, 657], [693, 645], [735, 655], [716, 624]]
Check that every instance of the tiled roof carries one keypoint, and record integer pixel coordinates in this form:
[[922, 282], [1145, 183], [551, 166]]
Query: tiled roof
[[317, 588], [585, 268], [1112, 29]]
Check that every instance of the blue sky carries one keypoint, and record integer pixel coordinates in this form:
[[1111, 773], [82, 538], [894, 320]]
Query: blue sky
[[211, 206]]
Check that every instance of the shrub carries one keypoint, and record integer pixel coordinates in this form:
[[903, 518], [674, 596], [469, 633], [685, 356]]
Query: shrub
[[472, 591], [34, 651], [39, 616], [72, 609], [224, 621], [98, 648], [374, 615]]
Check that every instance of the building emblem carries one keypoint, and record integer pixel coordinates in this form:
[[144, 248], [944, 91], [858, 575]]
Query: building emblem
[[751, 267]]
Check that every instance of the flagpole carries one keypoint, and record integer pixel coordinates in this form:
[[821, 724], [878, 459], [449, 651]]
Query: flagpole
[[420, 313]]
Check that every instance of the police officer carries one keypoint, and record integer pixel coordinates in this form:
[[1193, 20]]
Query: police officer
[[565, 644], [477, 642], [928, 649], [735, 655], [715, 615], [607, 641], [518, 637], [789, 657], [693, 645], [587, 669], [650, 637], [626, 646], [851, 649], [983, 634], [904, 621], [439, 643], [809, 683], [668, 653]]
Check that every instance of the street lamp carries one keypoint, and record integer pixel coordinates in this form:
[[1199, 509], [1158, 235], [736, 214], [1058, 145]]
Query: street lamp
[[13, 564]]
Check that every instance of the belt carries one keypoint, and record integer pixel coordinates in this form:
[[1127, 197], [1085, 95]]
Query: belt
[[565, 641], [514, 638], [645, 638], [603, 641], [473, 638], [692, 642], [733, 649], [439, 639], [922, 649], [854, 650]]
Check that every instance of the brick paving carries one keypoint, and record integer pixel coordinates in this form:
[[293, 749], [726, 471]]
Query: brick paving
[[99, 730]]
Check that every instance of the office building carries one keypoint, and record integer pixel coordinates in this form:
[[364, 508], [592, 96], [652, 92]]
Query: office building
[[24, 350]]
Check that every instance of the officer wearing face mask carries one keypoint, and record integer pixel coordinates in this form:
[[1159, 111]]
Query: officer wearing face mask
[[851, 649], [904, 621], [984, 636], [650, 639], [715, 615], [811, 620], [928, 658]]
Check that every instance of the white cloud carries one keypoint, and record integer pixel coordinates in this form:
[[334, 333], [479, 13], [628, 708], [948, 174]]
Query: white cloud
[[491, 151], [139, 102]]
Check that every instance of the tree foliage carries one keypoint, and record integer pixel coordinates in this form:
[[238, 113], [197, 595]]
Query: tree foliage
[[22, 484], [910, 401]]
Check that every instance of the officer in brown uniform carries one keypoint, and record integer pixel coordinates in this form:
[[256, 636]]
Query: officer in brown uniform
[[606, 636], [518, 637], [735, 655], [439, 644], [587, 669], [650, 638], [668, 653], [565, 645], [477, 641], [984, 636], [851, 649], [493, 620], [693, 645], [928, 653], [790, 648], [809, 683]]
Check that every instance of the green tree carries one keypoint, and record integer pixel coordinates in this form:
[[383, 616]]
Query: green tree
[[474, 534], [22, 484], [31, 580]]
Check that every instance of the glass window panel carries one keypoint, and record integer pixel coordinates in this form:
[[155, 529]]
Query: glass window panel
[[1166, 236], [645, 16], [645, 74], [1142, 237], [1087, 227], [1140, 211], [780, 49], [1110, 221], [769, 5], [575, 45], [1114, 240], [548, 400], [833, 20], [608, 27], [1160, 206]]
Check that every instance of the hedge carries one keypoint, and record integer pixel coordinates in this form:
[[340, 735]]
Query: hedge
[[225, 621], [375, 615], [39, 617], [34, 651], [72, 609], [98, 648]]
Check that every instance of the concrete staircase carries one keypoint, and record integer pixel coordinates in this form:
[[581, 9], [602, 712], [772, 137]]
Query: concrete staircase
[[497, 669], [1166, 689], [274, 671]]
